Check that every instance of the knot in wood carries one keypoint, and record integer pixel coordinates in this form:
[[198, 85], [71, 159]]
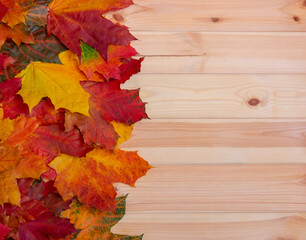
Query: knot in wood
[[118, 17], [215, 19], [296, 18], [253, 102]]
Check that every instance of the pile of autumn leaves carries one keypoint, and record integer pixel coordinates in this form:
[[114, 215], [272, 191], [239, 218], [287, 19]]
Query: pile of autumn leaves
[[63, 115]]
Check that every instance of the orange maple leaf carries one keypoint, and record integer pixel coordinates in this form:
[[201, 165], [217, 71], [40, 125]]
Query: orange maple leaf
[[15, 13], [13, 165], [23, 128], [91, 178], [18, 34]]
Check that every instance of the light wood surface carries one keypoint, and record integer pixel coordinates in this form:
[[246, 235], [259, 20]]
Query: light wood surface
[[219, 188], [220, 155], [225, 86], [214, 15], [217, 226], [213, 133], [205, 96]]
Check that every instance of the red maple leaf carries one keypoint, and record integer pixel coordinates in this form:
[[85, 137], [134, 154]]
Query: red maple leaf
[[112, 103], [71, 27], [12, 103], [95, 129], [44, 227], [3, 10], [49, 141]]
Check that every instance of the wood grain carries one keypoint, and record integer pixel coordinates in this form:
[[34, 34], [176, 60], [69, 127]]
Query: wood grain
[[220, 155], [205, 64], [222, 46], [227, 52], [223, 133], [208, 226], [214, 15], [221, 188], [197, 96], [225, 85]]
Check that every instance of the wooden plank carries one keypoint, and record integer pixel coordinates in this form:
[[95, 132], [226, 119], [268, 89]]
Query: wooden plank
[[219, 155], [219, 188], [204, 64], [197, 96], [222, 133], [214, 15], [236, 46], [222, 52], [208, 226]]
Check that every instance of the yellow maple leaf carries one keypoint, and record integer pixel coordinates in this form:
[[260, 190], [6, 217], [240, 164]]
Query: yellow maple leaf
[[82, 5], [9, 190], [59, 82], [6, 127], [123, 130]]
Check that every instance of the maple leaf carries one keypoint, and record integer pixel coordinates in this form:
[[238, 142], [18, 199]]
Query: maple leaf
[[129, 68], [14, 14], [49, 141], [37, 16], [92, 62], [90, 178], [45, 201], [46, 113], [12, 103], [114, 104], [95, 223], [46, 49], [5, 60], [44, 227], [71, 27], [13, 167], [31, 166], [47, 193], [6, 127], [29, 12], [55, 203], [3, 10], [81, 5], [18, 34], [37, 12], [123, 130], [29, 209], [4, 230], [95, 130], [41, 189], [9, 88], [23, 128], [59, 82]]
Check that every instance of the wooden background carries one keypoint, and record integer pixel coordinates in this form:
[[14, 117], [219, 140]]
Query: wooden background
[[225, 82]]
